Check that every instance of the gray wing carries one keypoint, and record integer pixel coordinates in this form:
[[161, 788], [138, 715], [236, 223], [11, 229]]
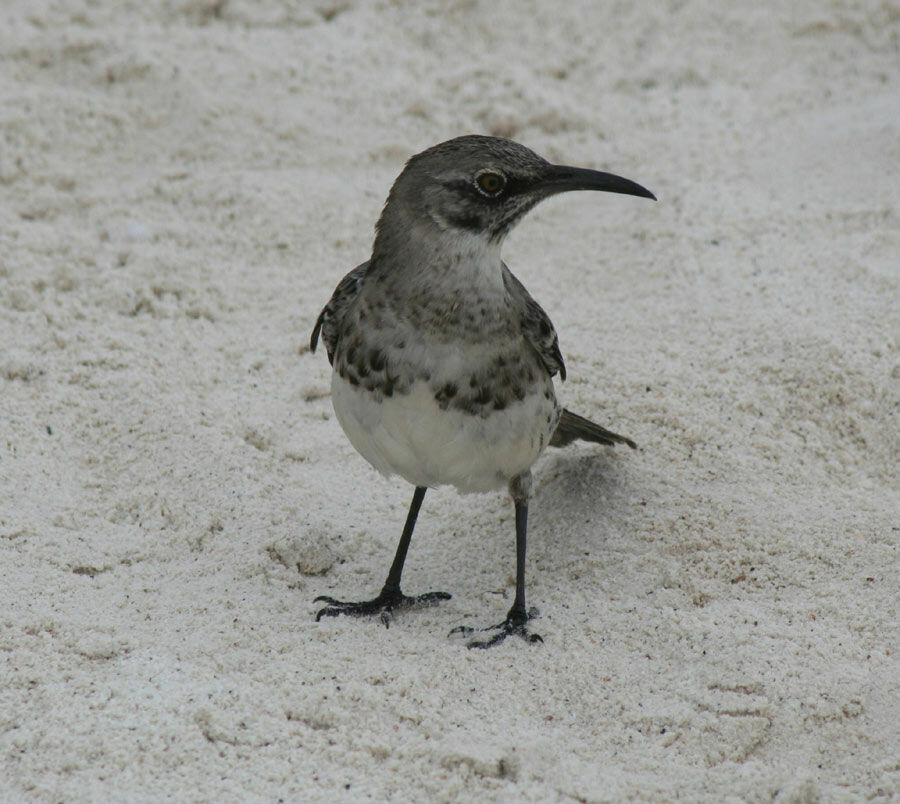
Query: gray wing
[[536, 325], [329, 321]]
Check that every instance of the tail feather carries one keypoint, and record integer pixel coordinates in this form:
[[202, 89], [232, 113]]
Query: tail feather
[[573, 427]]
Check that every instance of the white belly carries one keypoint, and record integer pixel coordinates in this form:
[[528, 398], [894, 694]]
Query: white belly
[[410, 435]]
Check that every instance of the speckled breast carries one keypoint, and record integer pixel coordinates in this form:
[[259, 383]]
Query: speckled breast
[[443, 405]]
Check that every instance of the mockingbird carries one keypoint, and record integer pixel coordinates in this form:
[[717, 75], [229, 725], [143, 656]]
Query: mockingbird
[[443, 364]]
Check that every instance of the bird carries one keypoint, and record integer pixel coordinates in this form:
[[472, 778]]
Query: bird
[[443, 364]]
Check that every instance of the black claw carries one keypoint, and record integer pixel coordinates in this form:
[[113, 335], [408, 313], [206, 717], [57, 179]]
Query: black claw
[[326, 599], [383, 605], [514, 624]]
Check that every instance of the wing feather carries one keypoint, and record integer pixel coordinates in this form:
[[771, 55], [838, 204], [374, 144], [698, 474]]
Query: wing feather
[[329, 321], [536, 325]]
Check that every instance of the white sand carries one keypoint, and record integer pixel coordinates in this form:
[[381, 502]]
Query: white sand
[[182, 184]]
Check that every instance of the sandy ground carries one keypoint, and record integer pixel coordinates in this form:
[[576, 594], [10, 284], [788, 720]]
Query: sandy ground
[[183, 183]]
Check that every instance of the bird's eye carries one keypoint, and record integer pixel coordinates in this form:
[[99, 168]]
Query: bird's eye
[[490, 183]]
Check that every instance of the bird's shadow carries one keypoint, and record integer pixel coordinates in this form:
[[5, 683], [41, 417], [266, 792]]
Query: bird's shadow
[[579, 500]]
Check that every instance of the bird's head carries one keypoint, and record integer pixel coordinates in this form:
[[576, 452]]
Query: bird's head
[[479, 186]]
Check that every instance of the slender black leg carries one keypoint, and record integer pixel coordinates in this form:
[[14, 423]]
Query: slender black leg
[[390, 597], [392, 584], [518, 616], [518, 612]]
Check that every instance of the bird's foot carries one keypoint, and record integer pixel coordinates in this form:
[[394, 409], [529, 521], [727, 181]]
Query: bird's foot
[[513, 624], [384, 605]]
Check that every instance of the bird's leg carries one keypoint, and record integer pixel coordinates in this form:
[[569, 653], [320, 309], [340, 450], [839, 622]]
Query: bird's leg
[[518, 616], [390, 597]]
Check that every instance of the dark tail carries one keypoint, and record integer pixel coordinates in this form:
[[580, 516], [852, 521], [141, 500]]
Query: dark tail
[[573, 427]]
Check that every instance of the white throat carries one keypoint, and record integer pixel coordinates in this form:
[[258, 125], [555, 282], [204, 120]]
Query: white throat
[[472, 259]]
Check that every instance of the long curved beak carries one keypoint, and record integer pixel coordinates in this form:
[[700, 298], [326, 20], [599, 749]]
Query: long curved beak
[[562, 178]]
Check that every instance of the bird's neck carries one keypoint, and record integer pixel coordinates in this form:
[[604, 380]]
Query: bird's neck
[[428, 258]]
